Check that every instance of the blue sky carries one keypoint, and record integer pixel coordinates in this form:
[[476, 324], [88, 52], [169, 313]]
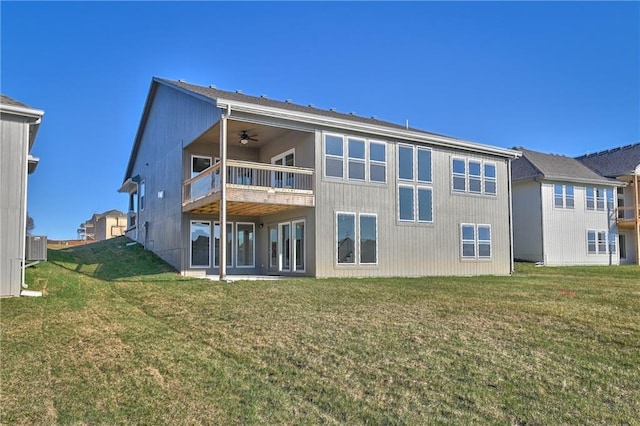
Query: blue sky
[[560, 77]]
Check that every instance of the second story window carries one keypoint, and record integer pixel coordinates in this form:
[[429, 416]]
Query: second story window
[[563, 197], [599, 199], [415, 189], [473, 176], [141, 195], [355, 159]]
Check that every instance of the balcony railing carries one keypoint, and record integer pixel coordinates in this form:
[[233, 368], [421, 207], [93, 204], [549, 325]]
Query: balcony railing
[[628, 213], [245, 174]]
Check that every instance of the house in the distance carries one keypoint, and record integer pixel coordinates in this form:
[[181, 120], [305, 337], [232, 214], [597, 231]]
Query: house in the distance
[[103, 226], [622, 164], [563, 212], [19, 125], [225, 183]]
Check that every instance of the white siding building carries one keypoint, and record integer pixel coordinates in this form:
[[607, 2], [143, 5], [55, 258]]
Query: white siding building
[[563, 212]]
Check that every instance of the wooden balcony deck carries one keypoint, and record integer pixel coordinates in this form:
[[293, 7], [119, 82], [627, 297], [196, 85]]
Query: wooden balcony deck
[[626, 218], [253, 189]]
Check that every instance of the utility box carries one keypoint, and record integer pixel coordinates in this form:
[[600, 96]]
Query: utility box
[[36, 247]]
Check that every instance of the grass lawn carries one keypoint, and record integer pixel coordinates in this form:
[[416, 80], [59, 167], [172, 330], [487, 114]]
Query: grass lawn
[[120, 339]]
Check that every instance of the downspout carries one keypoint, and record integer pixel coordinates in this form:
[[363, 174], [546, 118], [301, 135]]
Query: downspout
[[223, 194], [24, 201], [543, 255], [510, 191]]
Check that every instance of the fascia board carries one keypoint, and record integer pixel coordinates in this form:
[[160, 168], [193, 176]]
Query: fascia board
[[367, 128], [600, 182], [18, 110]]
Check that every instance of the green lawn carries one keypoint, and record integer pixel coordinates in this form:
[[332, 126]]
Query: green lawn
[[120, 339]]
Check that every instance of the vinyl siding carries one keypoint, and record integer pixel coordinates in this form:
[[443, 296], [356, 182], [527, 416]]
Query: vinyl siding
[[565, 230], [13, 149], [527, 221], [413, 249], [175, 119]]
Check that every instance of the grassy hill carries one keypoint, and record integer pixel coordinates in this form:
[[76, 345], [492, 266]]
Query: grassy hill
[[121, 338]]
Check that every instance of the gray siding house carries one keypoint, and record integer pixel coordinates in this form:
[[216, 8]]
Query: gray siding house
[[622, 164], [19, 124], [563, 212], [224, 183]]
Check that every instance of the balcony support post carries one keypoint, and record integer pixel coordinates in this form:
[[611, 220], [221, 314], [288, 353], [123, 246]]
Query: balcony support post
[[636, 216], [222, 262]]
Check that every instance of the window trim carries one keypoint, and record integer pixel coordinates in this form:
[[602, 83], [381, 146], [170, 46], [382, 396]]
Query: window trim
[[191, 265], [607, 241], [476, 242], [142, 191], [357, 160], [467, 178], [564, 194], [355, 239], [294, 267], [359, 224], [236, 244], [346, 159]]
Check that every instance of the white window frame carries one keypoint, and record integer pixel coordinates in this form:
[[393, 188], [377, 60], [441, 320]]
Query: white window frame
[[326, 156], [564, 205], [230, 254], [294, 251], [191, 265], [358, 224], [376, 162], [476, 242], [355, 240], [356, 160], [605, 196], [142, 190], [356, 243], [483, 178], [236, 244], [606, 241], [414, 184], [346, 159]]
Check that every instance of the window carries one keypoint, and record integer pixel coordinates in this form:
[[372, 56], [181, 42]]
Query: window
[[597, 242], [623, 246], [475, 241], [141, 195], [377, 162], [200, 163], [356, 158], [415, 200], [200, 244], [298, 245], [245, 254], [563, 197], [216, 244], [366, 160], [283, 179], [345, 235], [356, 244], [333, 155], [368, 239], [473, 176], [599, 199]]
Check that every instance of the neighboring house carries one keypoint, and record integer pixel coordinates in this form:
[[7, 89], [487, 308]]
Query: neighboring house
[[103, 226], [563, 212], [19, 125], [298, 190], [622, 164]]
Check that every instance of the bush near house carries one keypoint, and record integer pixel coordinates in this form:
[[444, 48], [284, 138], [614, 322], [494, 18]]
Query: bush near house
[[120, 338]]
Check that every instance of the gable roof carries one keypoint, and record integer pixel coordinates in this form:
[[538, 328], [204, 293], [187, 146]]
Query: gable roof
[[621, 161], [11, 106], [288, 110], [535, 164]]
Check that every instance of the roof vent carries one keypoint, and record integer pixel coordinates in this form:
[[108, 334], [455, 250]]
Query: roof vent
[[239, 91], [212, 86], [373, 117], [264, 96], [181, 80], [332, 109], [352, 113], [288, 101], [311, 106]]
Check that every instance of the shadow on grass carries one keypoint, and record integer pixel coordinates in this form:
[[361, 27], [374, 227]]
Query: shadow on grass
[[110, 260]]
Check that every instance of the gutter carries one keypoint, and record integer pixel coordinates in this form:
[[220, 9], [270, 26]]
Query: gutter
[[388, 132]]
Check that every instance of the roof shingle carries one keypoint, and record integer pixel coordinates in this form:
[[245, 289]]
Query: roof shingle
[[614, 162]]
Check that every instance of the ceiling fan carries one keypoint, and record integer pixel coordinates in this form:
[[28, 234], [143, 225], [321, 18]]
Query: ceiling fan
[[245, 138]]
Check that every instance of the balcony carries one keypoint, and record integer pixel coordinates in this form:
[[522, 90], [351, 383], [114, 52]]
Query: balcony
[[627, 217], [253, 189]]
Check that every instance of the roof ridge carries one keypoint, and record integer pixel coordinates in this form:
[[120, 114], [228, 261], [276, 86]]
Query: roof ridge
[[608, 151]]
